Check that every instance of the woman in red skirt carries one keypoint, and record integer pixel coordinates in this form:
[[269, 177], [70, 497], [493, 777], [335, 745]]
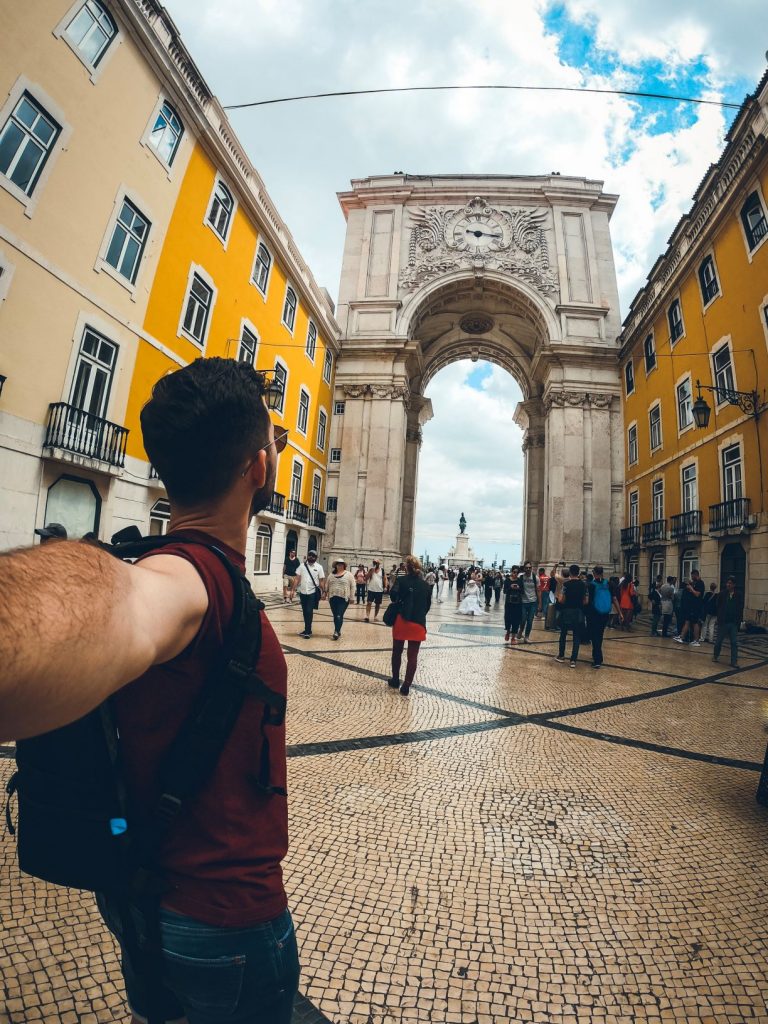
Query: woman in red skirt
[[414, 598]]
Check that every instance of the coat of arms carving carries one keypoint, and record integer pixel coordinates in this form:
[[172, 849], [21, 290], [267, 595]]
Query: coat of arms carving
[[481, 236]]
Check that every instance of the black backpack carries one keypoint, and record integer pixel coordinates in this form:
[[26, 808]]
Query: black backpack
[[75, 826]]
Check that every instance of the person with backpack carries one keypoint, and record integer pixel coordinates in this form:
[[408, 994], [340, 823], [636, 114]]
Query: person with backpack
[[411, 601], [573, 598], [601, 604], [202, 917]]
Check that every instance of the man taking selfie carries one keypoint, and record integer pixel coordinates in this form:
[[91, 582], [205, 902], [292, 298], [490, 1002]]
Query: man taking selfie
[[78, 625]]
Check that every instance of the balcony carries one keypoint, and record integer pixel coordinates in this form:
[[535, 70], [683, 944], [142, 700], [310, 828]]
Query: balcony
[[317, 518], [655, 531], [81, 433], [685, 525], [298, 511], [276, 504], [729, 516], [630, 537]]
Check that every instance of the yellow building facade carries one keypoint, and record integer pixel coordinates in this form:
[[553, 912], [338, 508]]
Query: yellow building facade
[[136, 236], [695, 496], [225, 287]]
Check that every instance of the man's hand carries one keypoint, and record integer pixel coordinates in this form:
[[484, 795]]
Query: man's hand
[[77, 624]]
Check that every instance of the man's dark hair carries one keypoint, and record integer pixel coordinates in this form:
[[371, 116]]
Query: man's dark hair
[[731, 579], [670, 579], [598, 570], [201, 425], [574, 570]]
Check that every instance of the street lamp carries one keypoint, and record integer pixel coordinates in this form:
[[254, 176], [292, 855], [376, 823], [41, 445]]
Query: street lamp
[[748, 401], [272, 389]]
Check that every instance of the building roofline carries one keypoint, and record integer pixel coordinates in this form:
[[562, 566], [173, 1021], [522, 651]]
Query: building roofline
[[156, 33]]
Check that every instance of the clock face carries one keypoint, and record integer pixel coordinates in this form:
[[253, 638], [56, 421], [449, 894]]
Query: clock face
[[478, 234]]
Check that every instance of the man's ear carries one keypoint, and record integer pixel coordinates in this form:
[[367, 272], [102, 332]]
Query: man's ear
[[258, 470]]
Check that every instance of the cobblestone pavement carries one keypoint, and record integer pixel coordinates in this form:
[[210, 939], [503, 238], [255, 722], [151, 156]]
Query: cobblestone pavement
[[515, 841]]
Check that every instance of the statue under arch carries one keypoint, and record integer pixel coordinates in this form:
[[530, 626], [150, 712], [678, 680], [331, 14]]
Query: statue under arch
[[517, 270]]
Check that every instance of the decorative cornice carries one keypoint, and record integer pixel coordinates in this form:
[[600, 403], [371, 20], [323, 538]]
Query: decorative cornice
[[394, 392], [578, 399]]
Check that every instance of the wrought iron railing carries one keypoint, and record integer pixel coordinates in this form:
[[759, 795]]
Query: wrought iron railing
[[298, 511], [686, 524], [276, 504], [729, 515], [630, 537], [654, 531], [82, 433], [317, 518]]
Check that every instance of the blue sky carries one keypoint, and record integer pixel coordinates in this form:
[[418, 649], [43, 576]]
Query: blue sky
[[651, 153]]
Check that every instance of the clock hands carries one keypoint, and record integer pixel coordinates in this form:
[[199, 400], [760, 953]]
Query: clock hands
[[479, 234]]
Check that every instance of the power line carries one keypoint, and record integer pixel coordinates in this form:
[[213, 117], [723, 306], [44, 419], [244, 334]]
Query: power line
[[516, 88]]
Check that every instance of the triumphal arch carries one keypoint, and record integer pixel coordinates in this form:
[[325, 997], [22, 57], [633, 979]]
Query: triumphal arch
[[515, 270]]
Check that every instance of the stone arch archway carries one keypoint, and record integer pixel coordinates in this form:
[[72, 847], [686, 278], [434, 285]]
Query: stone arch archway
[[518, 271]]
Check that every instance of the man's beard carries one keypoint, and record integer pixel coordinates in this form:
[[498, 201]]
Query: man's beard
[[263, 496]]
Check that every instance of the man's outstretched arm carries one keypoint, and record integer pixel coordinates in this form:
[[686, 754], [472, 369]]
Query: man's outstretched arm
[[76, 624]]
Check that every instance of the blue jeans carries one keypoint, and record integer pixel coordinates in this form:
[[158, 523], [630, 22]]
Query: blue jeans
[[730, 630], [529, 614], [212, 974]]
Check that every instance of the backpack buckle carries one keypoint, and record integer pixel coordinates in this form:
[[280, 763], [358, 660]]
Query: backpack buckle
[[167, 808]]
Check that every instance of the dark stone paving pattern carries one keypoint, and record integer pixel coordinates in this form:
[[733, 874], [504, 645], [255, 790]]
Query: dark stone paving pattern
[[516, 841]]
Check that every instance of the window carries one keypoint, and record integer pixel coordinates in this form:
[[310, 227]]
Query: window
[[338, 407], [91, 31], [281, 378], [690, 489], [166, 133], [723, 373], [688, 562], [263, 551], [331, 504], [753, 219], [322, 427], [632, 444], [708, 280], [328, 369], [675, 321], [335, 455], [316, 486], [75, 503], [26, 141], [657, 499], [222, 207], [732, 486], [248, 345], [159, 515], [92, 381], [303, 417], [297, 476], [657, 565], [684, 414], [261, 268], [654, 420], [289, 309], [650, 354], [629, 377], [633, 568], [128, 240], [634, 509], [199, 303], [311, 340]]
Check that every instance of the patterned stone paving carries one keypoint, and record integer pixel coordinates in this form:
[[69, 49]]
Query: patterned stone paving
[[516, 841]]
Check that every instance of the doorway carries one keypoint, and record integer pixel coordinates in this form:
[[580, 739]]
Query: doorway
[[733, 562]]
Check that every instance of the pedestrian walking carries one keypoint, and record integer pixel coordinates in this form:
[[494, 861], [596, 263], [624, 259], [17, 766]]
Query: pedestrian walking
[[488, 587], [340, 589], [667, 592], [550, 616], [513, 605], [376, 586], [627, 598], [710, 615], [601, 602], [451, 579], [360, 581], [691, 610], [573, 598], [530, 584], [498, 583], [461, 582], [290, 568], [654, 596], [730, 608], [310, 583], [541, 611], [413, 599]]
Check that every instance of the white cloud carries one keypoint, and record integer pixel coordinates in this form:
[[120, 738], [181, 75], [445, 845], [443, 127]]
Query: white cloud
[[471, 462]]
